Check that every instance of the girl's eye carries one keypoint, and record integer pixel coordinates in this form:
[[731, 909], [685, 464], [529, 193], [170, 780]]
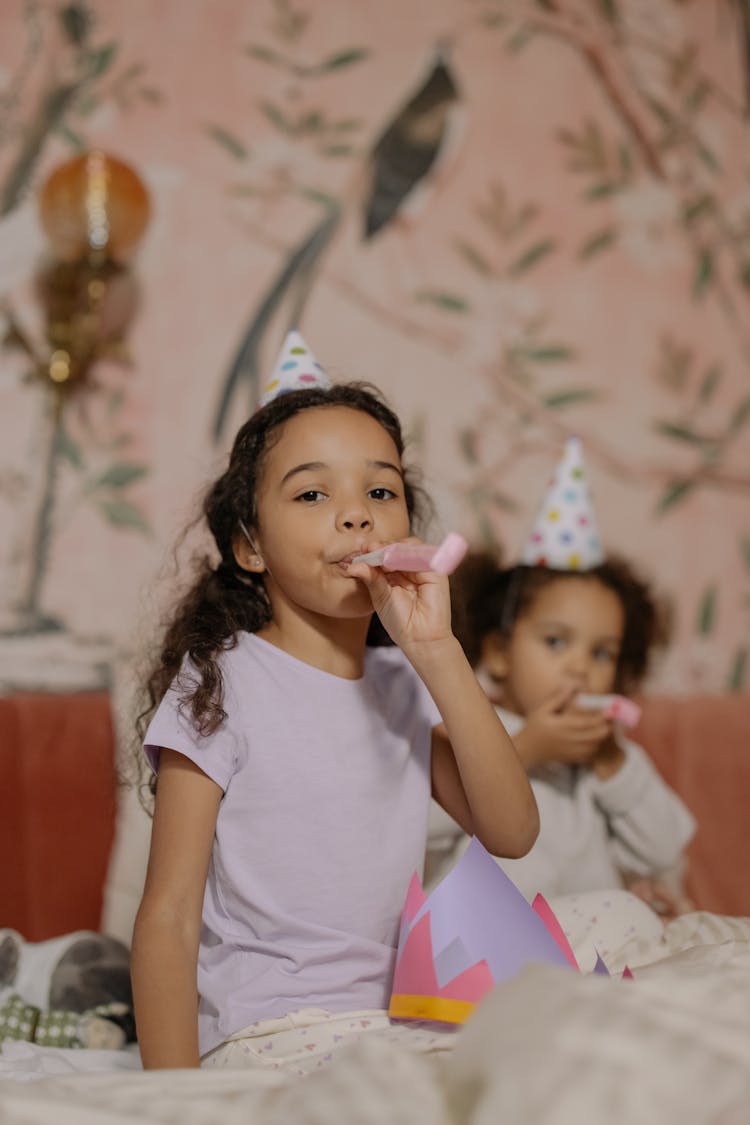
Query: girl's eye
[[310, 496], [381, 493], [554, 642], [605, 656]]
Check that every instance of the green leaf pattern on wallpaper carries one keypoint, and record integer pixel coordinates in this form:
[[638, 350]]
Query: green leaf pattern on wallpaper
[[86, 74], [298, 121], [649, 181], [83, 460], [641, 148], [633, 177]]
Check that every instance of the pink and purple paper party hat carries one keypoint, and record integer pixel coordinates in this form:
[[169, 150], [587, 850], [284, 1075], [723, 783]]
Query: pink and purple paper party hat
[[475, 930], [296, 369], [565, 534]]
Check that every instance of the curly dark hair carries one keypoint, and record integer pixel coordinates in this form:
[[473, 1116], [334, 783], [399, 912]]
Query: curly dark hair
[[489, 598], [224, 599]]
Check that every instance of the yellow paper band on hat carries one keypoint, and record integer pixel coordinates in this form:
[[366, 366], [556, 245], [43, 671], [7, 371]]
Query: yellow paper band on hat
[[430, 1008]]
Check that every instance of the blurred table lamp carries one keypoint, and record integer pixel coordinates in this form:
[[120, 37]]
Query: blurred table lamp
[[94, 210]]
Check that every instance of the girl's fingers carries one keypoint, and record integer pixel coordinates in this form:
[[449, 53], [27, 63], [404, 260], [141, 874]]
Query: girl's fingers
[[556, 703], [407, 603], [380, 582], [586, 727], [361, 571], [368, 573], [373, 578], [593, 733], [587, 718], [405, 579]]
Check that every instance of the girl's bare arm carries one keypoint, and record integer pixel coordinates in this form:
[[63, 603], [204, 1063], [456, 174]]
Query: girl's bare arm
[[477, 775], [167, 928]]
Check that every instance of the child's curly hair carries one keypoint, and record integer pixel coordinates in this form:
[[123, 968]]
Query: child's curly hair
[[488, 598]]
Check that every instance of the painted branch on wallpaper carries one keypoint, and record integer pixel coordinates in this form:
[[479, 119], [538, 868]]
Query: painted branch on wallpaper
[[606, 46], [662, 132], [606, 39], [387, 177], [61, 39], [94, 210], [296, 122], [74, 459]]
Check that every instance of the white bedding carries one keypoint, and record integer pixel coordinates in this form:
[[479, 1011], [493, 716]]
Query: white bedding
[[549, 1047]]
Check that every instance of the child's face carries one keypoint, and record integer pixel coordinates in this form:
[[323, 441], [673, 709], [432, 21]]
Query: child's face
[[331, 488], [570, 637]]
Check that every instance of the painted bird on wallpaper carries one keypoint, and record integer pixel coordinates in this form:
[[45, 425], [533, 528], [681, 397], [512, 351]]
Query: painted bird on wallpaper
[[396, 177], [408, 153]]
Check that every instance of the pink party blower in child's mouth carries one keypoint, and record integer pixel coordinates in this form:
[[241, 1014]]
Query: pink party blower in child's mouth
[[616, 707], [442, 559]]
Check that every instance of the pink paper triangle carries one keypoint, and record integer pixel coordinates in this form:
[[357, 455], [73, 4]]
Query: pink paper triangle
[[545, 912], [415, 971], [415, 899]]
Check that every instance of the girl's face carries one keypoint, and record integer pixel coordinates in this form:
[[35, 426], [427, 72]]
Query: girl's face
[[570, 637], [331, 488]]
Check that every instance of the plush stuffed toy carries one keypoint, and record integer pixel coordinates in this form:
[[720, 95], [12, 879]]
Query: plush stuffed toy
[[72, 991]]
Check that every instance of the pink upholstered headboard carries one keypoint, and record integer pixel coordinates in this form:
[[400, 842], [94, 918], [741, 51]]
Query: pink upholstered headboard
[[57, 802], [701, 746], [57, 811]]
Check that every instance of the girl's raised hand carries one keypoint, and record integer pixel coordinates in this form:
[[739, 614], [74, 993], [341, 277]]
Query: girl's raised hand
[[414, 607], [556, 731]]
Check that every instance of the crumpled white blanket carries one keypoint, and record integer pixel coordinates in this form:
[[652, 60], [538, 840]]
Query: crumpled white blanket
[[26, 1062], [550, 1047]]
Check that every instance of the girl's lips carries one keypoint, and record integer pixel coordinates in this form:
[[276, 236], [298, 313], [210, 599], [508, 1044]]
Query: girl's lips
[[353, 555]]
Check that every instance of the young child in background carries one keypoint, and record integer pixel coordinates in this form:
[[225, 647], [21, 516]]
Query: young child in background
[[295, 757], [567, 621]]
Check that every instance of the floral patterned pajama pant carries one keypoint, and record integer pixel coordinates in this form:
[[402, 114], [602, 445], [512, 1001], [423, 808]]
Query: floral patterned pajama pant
[[307, 1040]]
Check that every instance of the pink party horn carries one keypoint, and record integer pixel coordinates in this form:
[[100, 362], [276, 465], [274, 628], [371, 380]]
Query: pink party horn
[[612, 706], [442, 559]]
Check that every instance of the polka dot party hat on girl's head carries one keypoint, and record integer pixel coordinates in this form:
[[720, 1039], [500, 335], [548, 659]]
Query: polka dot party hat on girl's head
[[296, 369], [565, 535]]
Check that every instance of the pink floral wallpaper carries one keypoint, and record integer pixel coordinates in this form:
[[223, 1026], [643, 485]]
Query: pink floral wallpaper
[[522, 219]]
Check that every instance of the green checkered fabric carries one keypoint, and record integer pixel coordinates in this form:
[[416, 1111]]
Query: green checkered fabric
[[59, 1029], [19, 1020]]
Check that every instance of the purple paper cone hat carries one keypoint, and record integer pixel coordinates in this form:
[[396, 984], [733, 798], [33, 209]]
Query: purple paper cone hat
[[565, 534], [474, 930], [296, 369]]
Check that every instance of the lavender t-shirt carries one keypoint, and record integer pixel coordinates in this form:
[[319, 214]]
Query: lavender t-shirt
[[322, 823]]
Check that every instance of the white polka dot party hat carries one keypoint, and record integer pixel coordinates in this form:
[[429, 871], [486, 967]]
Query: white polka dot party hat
[[565, 534], [296, 369]]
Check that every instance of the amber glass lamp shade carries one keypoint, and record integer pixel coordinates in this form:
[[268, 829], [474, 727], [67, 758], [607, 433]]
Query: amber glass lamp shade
[[93, 206]]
